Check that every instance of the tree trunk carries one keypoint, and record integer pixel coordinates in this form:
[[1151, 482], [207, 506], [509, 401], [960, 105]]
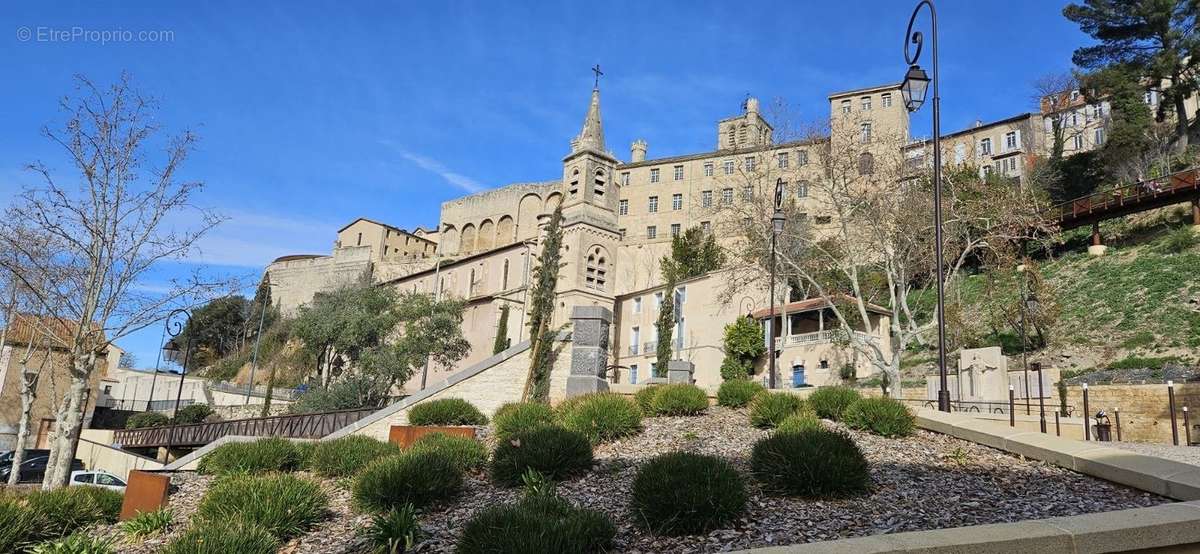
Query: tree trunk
[[1181, 123], [28, 396], [68, 423]]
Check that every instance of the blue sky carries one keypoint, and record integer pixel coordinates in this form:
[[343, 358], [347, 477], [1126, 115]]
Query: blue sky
[[313, 113]]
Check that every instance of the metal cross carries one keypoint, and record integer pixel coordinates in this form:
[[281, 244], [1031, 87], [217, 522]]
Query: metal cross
[[598, 73]]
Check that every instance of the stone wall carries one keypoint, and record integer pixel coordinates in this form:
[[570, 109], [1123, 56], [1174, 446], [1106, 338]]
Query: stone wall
[[295, 282], [1145, 416]]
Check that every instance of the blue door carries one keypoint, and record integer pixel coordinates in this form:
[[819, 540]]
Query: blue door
[[797, 376]]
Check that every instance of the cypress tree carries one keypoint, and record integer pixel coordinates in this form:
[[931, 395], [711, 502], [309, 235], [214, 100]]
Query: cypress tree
[[666, 318], [501, 343], [541, 310]]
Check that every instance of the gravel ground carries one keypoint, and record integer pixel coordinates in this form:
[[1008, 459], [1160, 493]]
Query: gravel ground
[[1185, 454], [927, 481]]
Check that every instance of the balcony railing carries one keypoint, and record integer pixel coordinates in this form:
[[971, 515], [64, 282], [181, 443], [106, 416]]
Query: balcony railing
[[816, 337], [650, 347], [633, 349]]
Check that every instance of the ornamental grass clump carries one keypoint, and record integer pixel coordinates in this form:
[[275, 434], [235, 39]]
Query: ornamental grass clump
[[419, 478], [883, 416], [260, 456], [554, 452], [394, 531], [346, 456], [679, 399], [520, 416], [79, 543], [797, 422], [464, 452], [601, 417], [535, 524], [645, 398], [284, 505], [224, 537], [831, 402], [446, 412], [738, 393], [145, 524], [16, 526], [811, 463], [60, 512], [770, 409], [683, 493]]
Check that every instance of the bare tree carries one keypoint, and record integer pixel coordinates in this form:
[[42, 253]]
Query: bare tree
[[1055, 95], [120, 220], [860, 237]]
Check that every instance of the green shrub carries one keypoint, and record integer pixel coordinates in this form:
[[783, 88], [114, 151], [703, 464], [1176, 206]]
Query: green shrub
[[351, 392], [224, 537], [417, 478], [304, 452], [882, 416], [601, 417], [446, 411], [108, 500], [680, 399], [682, 493], [63, 511], [79, 543], [1179, 240], [145, 524], [812, 463], [345, 456], [554, 452], [645, 398], [830, 402], [770, 409], [16, 525], [394, 531], [284, 505], [193, 413], [521, 416], [146, 419], [536, 524], [262, 455], [464, 452], [799, 422], [737, 393]]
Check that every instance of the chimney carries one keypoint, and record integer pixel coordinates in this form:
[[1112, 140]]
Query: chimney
[[978, 124], [638, 151]]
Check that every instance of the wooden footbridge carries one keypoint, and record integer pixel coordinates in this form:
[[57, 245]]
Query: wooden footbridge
[[1175, 188], [294, 426]]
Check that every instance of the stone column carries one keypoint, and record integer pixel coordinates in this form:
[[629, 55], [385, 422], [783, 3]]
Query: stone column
[[680, 371], [1097, 248], [589, 350]]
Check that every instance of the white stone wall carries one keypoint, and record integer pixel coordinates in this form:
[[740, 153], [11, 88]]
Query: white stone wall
[[295, 282]]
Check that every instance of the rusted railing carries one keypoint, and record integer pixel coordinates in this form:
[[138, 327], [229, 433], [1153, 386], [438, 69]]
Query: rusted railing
[[296, 426], [1128, 199]]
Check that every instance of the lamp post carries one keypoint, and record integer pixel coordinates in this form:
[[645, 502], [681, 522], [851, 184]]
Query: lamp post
[[777, 221], [915, 86], [262, 315], [1027, 300], [174, 328]]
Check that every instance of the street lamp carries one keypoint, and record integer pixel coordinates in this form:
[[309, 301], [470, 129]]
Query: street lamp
[[262, 315], [1028, 302], [171, 350], [915, 86], [777, 221]]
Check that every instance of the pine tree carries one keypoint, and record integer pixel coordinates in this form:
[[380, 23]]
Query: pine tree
[[541, 310], [501, 343]]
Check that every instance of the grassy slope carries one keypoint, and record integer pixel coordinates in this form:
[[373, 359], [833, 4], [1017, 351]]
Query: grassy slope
[[1137, 300]]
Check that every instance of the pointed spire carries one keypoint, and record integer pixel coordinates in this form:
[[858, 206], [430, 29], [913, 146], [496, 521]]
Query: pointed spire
[[592, 135]]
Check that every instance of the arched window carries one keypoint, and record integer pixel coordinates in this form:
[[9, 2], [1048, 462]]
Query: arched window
[[599, 183], [596, 269], [866, 164]]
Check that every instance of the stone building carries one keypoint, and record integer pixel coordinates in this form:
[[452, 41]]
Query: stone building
[[620, 217]]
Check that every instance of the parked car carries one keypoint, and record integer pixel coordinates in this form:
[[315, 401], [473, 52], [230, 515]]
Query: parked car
[[7, 456], [33, 469], [102, 479]]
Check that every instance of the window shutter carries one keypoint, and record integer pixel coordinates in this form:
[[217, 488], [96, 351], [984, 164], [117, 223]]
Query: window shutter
[[1018, 138]]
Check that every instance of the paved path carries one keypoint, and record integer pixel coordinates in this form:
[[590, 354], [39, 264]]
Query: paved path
[[1185, 454]]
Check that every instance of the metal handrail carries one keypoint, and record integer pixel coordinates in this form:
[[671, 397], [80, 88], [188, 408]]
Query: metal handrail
[[308, 426], [1129, 194]]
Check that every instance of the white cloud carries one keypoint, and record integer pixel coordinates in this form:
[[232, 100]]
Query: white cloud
[[433, 166]]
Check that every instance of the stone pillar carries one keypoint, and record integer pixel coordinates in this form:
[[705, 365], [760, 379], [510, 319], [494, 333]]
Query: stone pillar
[[1196, 215], [680, 371], [589, 350], [1097, 248]]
